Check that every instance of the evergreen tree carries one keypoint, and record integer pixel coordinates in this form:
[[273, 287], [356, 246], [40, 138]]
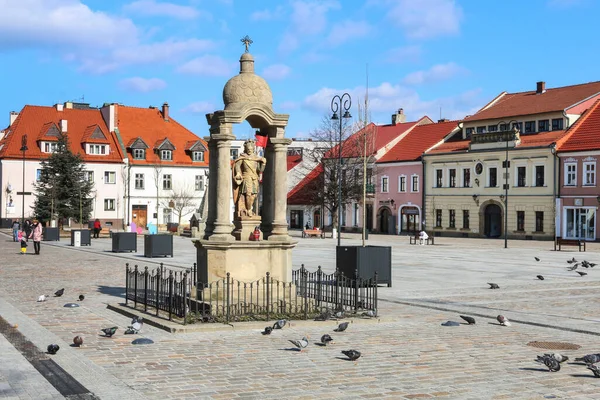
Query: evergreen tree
[[62, 187]]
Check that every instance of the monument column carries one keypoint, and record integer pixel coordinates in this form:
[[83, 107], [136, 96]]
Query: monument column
[[222, 193], [212, 188], [279, 190]]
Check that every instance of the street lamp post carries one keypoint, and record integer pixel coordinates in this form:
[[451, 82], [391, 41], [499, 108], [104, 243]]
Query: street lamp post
[[340, 103], [23, 149]]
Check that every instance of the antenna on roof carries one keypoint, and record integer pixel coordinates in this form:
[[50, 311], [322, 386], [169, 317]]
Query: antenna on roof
[[440, 112]]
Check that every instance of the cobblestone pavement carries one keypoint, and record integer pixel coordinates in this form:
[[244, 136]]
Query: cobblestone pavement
[[406, 355]]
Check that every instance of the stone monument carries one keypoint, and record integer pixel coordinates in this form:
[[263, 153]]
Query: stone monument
[[226, 245]]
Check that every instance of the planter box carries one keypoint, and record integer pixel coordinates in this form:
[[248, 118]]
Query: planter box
[[124, 241], [158, 245], [85, 237], [366, 261], [50, 234]]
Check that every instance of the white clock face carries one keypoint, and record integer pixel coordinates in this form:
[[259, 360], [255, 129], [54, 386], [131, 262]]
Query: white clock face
[[478, 168]]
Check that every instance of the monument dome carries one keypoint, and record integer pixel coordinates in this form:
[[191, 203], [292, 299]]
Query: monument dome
[[247, 87]]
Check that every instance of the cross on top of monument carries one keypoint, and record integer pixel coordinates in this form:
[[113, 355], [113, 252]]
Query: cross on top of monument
[[247, 42]]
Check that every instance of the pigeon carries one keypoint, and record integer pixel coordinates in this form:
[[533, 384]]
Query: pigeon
[[108, 332], [60, 292], [594, 369], [267, 330], [573, 267], [550, 362], [353, 355], [42, 298], [585, 264], [450, 323], [571, 261], [537, 258], [493, 286], [558, 357], [592, 265], [300, 344], [369, 313], [470, 320], [279, 324], [540, 277], [324, 316], [503, 320], [77, 341], [81, 297], [326, 339], [581, 273], [589, 358], [53, 348], [342, 327], [340, 314]]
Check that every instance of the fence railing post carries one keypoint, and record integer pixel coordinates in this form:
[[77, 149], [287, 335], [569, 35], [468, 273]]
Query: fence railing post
[[319, 288], [375, 286], [268, 292], [356, 289], [170, 282], [127, 283], [157, 286], [135, 287], [228, 299], [184, 297], [145, 289], [305, 283]]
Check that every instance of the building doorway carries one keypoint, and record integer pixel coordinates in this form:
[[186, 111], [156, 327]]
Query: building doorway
[[296, 219], [317, 219], [139, 215], [410, 222], [370, 217], [386, 221], [492, 227]]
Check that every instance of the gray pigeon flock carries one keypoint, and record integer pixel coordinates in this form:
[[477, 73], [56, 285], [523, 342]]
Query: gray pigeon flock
[[554, 360]]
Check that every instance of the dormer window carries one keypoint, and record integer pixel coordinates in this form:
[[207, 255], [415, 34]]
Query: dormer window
[[197, 156], [49, 147], [100, 149], [166, 155], [139, 154]]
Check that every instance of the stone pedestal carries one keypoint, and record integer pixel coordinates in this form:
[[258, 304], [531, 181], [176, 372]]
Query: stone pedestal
[[244, 227]]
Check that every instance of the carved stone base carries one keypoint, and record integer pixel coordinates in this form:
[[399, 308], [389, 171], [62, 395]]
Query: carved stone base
[[244, 227]]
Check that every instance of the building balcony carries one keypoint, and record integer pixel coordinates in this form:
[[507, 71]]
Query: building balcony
[[370, 189], [495, 140]]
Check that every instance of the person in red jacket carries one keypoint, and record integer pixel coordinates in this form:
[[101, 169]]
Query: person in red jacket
[[97, 228]]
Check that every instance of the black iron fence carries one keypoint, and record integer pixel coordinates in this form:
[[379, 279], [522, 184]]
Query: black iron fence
[[179, 294]]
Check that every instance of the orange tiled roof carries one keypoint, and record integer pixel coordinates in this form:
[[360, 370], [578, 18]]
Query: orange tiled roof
[[527, 103], [419, 139], [585, 133], [87, 136], [303, 192], [33, 120], [149, 124]]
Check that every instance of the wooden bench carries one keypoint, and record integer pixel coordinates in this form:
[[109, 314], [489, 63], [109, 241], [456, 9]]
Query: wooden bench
[[416, 240], [570, 242], [313, 233]]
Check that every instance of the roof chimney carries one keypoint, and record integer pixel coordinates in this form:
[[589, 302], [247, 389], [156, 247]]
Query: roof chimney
[[59, 107], [63, 125], [443, 120], [541, 87], [399, 117], [13, 117], [165, 111], [68, 104]]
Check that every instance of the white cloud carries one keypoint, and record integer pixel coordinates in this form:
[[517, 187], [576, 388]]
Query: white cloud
[[426, 18], [276, 72], [142, 85], [289, 105], [207, 65], [152, 8], [199, 107], [439, 72], [348, 30], [410, 53], [267, 15], [309, 18]]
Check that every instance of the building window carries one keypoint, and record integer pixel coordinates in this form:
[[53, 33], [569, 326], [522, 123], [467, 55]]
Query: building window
[[167, 182], [166, 155], [384, 184], [466, 177], [518, 125], [50, 147], [544, 125], [452, 177], [481, 129], [465, 219], [167, 215], [402, 184], [197, 156], [139, 154], [109, 204], [234, 153], [589, 170], [452, 218], [139, 181], [539, 221], [571, 174], [97, 149], [529, 126], [521, 176], [469, 132], [415, 183], [493, 177], [521, 221], [199, 183], [539, 175], [110, 177], [439, 174], [438, 218], [503, 127], [492, 128], [88, 176], [557, 124]]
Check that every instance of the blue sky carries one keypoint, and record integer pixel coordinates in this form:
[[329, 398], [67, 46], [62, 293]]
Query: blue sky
[[421, 54]]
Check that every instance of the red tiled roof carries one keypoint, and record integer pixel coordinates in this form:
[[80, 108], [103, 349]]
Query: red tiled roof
[[89, 131], [585, 133], [303, 192], [32, 120], [527, 103], [149, 124], [419, 139], [293, 160]]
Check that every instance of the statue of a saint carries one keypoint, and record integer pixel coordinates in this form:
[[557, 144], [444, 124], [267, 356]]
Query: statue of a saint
[[246, 170]]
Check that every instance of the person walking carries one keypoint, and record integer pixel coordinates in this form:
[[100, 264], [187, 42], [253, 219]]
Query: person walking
[[27, 228], [36, 235], [22, 237], [15, 227], [97, 228]]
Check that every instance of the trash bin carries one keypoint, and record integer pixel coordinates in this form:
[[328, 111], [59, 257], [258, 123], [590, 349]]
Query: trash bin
[[80, 237], [365, 261], [158, 245]]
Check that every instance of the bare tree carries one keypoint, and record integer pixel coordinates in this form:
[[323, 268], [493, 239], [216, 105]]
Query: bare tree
[[181, 200]]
